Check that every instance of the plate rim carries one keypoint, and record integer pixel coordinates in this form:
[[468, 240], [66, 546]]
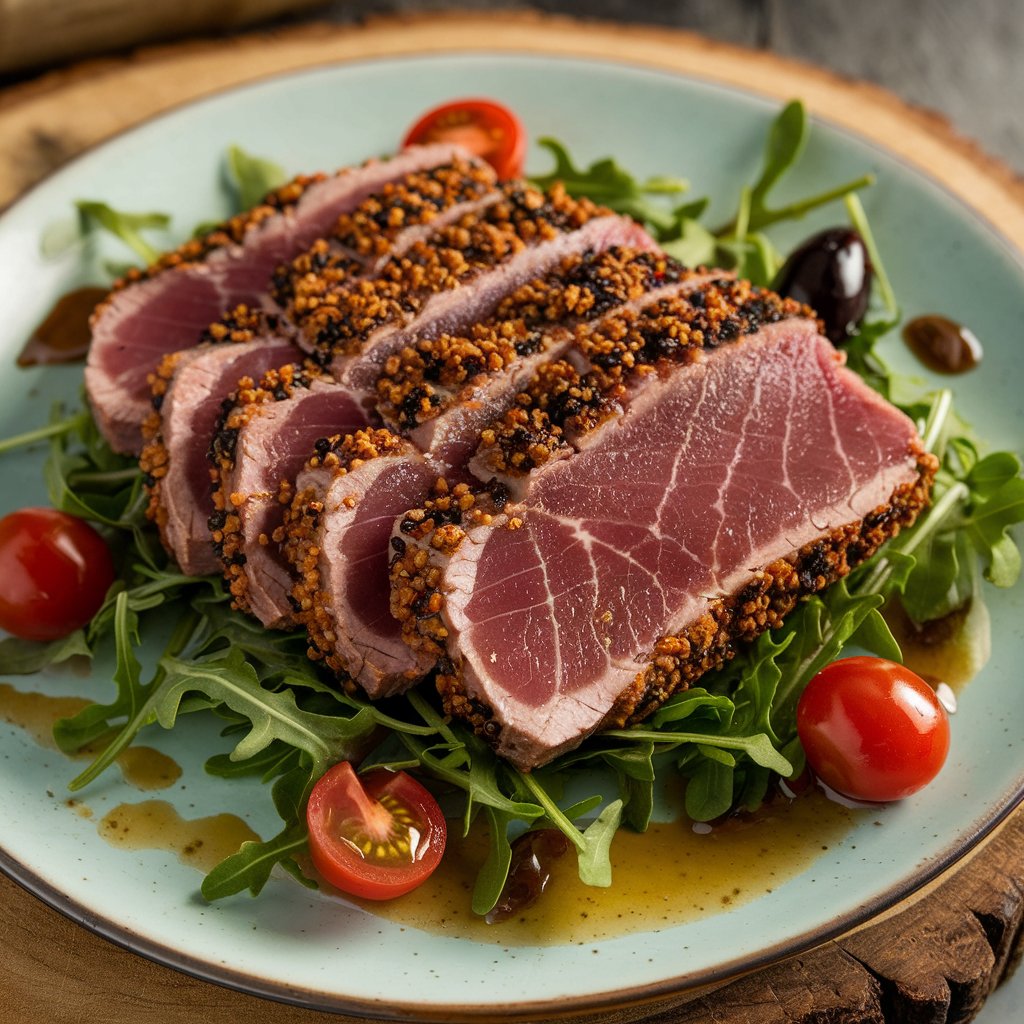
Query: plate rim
[[678, 985]]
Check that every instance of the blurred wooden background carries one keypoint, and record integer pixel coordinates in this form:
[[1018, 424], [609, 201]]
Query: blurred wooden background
[[965, 60]]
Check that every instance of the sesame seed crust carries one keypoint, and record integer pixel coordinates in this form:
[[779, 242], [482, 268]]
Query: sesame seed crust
[[678, 661], [425, 538], [421, 381], [369, 231], [236, 411], [562, 402], [154, 458], [238, 326], [336, 322], [301, 534]]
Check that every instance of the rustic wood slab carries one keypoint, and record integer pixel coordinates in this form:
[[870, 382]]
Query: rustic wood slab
[[934, 958]]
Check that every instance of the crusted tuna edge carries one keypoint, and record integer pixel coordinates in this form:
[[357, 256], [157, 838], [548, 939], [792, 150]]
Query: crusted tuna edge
[[341, 319], [424, 379], [335, 457], [368, 233], [429, 536], [422, 542], [230, 232], [237, 327], [238, 409], [286, 197], [563, 402]]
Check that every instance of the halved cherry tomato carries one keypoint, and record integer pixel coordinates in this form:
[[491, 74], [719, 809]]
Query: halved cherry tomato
[[378, 836], [484, 127], [872, 729], [55, 570]]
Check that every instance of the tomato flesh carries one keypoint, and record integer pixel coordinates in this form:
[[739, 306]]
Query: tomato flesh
[[872, 729], [488, 129], [378, 836], [55, 570]]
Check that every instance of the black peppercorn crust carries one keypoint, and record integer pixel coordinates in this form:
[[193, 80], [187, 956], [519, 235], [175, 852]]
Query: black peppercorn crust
[[236, 411], [563, 402]]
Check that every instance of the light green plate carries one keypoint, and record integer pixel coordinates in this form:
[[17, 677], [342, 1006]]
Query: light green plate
[[295, 945]]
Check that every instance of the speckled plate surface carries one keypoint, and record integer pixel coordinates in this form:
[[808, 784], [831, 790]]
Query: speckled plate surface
[[299, 946]]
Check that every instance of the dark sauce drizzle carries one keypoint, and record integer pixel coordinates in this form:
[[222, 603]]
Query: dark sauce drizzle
[[63, 337], [942, 344]]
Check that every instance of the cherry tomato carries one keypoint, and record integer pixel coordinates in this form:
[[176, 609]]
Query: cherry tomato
[[378, 836], [55, 570], [872, 729], [484, 127]]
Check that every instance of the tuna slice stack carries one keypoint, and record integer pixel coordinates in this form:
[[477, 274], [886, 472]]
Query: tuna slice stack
[[526, 451], [166, 307], [715, 463]]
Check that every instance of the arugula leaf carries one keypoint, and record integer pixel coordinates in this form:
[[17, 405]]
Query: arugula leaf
[[998, 504], [23, 657], [251, 866], [126, 226], [607, 183], [252, 177], [491, 878]]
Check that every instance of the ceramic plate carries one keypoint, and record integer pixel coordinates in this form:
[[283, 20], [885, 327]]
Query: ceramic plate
[[300, 946]]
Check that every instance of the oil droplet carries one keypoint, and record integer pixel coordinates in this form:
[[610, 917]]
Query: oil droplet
[[63, 336], [201, 843], [82, 810], [36, 713], [697, 875]]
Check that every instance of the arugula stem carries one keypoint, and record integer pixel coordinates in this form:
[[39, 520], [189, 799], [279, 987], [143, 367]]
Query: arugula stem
[[58, 429], [860, 221], [938, 414], [180, 638], [553, 811], [760, 218], [113, 476]]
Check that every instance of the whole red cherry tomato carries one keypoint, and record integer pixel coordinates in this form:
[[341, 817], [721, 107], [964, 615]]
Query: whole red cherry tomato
[[488, 129], [377, 836], [55, 570], [872, 729]]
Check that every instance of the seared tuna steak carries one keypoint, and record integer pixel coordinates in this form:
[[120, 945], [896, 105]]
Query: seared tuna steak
[[338, 530], [189, 389], [166, 307], [694, 505], [265, 437], [451, 279], [351, 492]]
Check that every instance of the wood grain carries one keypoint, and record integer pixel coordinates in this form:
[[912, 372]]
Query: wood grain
[[934, 958]]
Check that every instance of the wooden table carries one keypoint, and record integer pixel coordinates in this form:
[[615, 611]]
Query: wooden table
[[937, 956]]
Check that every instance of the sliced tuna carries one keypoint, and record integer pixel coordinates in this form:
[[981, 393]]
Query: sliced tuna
[[192, 387], [442, 392], [346, 502], [262, 442], [456, 277], [351, 493], [166, 307], [686, 521]]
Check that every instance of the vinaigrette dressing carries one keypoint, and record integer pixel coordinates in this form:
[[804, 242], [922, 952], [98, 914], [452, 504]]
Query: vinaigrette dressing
[[201, 843], [667, 876], [142, 767]]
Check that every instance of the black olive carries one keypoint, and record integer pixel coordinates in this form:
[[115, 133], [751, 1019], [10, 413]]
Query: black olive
[[831, 272], [533, 855]]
